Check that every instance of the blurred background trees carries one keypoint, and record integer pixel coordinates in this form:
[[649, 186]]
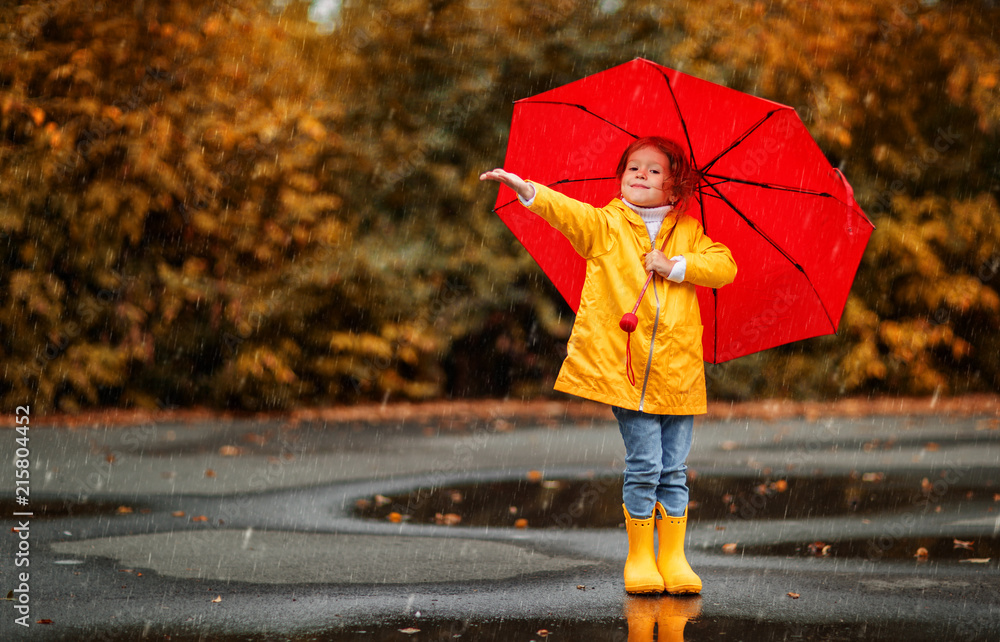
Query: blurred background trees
[[224, 203]]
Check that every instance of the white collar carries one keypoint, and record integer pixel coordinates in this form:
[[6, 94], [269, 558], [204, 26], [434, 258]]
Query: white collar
[[650, 213]]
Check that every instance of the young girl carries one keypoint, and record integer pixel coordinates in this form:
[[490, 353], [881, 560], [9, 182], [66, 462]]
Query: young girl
[[622, 241]]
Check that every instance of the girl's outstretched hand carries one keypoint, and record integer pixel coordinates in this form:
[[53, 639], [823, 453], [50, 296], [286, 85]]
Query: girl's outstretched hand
[[523, 189]]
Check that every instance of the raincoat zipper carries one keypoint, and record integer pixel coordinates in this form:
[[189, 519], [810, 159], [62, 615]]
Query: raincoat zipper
[[652, 342]]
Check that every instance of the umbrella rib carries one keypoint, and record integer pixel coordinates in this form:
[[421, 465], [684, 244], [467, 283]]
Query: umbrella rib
[[722, 180], [581, 108], [781, 251]]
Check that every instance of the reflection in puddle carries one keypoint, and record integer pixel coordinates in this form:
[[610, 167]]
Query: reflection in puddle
[[667, 614], [672, 620]]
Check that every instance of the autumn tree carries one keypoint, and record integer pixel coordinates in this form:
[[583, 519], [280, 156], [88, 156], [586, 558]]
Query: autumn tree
[[162, 195], [217, 203]]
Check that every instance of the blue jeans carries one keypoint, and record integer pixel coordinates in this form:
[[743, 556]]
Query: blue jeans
[[656, 449]]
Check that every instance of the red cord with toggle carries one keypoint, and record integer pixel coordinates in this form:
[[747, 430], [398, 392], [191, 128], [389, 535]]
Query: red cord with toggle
[[630, 321]]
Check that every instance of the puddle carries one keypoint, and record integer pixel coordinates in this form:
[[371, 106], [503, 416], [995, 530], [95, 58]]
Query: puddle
[[980, 552], [58, 508], [609, 629], [596, 502]]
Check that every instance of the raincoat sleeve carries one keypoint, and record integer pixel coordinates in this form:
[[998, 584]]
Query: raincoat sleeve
[[709, 264], [589, 229]]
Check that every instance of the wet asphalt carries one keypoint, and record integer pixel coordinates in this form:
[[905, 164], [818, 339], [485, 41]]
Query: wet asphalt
[[248, 529]]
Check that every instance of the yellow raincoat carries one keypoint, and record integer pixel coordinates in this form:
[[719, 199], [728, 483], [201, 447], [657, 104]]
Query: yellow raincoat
[[666, 346]]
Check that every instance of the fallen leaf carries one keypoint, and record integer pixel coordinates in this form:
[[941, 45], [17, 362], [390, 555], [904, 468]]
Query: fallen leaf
[[581, 587], [409, 631], [448, 519], [818, 548], [729, 549], [382, 500], [230, 451], [872, 477], [521, 523], [794, 596], [542, 633], [502, 425], [254, 438], [926, 486], [110, 459], [218, 598], [199, 518], [178, 513], [922, 553], [395, 517], [932, 447], [535, 475], [209, 473], [975, 560], [781, 485], [43, 621], [963, 544], [124, 510]]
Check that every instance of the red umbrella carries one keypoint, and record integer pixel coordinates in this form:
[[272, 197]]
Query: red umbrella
[[766, 191]]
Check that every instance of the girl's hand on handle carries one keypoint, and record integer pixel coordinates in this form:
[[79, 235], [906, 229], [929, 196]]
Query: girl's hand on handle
[[523, 189], [657, 261]]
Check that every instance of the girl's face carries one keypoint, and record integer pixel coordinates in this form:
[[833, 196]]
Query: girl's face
[[647, 181]]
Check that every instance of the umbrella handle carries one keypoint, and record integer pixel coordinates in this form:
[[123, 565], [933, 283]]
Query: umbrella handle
[[629, 320], [643, 292], [628, 324]]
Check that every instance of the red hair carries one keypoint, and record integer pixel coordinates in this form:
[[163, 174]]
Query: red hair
[[684, 176]]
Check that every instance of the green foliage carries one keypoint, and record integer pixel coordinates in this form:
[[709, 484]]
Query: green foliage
[[214, 203]]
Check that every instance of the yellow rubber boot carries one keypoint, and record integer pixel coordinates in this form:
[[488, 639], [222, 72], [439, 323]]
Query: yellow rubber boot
[[673, 616], [678, 578], [641, 575]]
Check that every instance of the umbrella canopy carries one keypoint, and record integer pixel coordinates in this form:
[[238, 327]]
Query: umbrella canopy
[[765, 190]]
